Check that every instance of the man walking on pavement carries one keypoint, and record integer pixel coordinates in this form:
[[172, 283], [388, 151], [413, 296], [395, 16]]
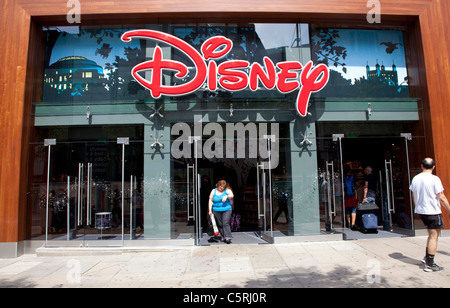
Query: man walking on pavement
[[428, 195]]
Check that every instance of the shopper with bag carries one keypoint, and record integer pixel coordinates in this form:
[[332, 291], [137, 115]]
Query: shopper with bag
[[220, 206], [351, 201]]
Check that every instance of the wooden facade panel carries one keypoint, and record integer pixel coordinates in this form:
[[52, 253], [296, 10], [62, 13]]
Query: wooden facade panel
[[436, 45], [430, 73], [59, 7], [13, 56]]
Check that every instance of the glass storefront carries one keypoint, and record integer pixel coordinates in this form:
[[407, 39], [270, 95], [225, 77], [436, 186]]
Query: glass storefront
[[112, 161]]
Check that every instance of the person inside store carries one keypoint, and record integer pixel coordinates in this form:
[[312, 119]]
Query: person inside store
[[370, 185], [220, 205], [283, 199], [350, 198]]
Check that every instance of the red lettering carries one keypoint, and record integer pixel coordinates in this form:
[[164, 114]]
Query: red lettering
[[210, 47], [212, 76], [230, 75], [157, 64], [310, 84], [257, 73], [285, 84], [190, 51], [231, 78]]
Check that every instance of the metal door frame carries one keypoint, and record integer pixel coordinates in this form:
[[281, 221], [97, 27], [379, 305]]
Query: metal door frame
[[83, 214], [264, 192], [331, 189], [390, 196], [196, 200], [388, 173]]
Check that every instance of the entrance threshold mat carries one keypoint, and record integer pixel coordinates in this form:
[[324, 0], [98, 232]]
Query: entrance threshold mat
[[238, 238]]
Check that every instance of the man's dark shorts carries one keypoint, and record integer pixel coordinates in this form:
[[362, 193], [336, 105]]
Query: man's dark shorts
[[433, 221]]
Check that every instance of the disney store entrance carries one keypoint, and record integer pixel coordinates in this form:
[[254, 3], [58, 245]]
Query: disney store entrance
[[259, 213], [252, 214], [387, 158]]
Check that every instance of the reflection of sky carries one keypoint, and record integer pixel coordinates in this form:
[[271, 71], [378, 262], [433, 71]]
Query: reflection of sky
[[280, 35], [363, 47], [85, 46]]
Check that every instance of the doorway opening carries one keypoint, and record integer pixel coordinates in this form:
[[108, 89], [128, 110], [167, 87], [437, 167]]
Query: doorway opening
[[348, 157], [259, 213], [388, 159], [191, 211]]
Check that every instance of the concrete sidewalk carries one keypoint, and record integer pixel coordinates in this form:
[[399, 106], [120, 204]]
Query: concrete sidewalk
[[385, 263]]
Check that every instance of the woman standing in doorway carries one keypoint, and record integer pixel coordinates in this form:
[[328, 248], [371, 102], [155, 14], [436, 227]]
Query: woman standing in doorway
[[220, 205]]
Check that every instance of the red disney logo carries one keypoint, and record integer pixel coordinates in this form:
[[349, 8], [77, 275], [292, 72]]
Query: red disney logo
[[230, 75]]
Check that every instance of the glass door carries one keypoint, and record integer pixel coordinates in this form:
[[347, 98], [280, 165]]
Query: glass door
[[90, 198], [193, 201], [330, 184], [264, 193], [100, 202], [396, 199], [100, 208], [86, 185]]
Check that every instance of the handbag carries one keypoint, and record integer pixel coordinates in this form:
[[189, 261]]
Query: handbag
[[367, 206], [214, 225]]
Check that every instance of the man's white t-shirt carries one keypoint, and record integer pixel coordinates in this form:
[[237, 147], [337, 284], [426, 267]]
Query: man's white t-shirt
[[426, 187]]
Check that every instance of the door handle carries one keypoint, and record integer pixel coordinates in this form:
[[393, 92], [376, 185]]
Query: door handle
[[392, 188], [188, 199], [332, 197], [389, 186], [80, 194], [68, 207], [260, 194], [88, 194]]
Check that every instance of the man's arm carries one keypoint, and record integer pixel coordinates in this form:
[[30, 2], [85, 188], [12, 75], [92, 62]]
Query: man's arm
[[366, 190], [444, 201]]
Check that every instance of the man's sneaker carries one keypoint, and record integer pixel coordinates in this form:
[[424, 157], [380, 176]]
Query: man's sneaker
[[424, 260], [432, 268]]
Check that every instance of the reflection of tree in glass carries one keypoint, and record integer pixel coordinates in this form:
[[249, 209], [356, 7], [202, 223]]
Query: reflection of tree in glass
[[120, 81], [246, 42], [104, 51], [326, 50], [390, 46]]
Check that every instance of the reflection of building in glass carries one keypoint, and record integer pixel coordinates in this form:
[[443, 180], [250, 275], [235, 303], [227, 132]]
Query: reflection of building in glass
[[76, 74], [381, 74]]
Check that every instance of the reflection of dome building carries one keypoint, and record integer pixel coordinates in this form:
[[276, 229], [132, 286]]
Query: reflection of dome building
[[381, 74], [76, 74]]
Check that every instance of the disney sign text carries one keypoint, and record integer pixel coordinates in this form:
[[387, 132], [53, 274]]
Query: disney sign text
[[233, 75]]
